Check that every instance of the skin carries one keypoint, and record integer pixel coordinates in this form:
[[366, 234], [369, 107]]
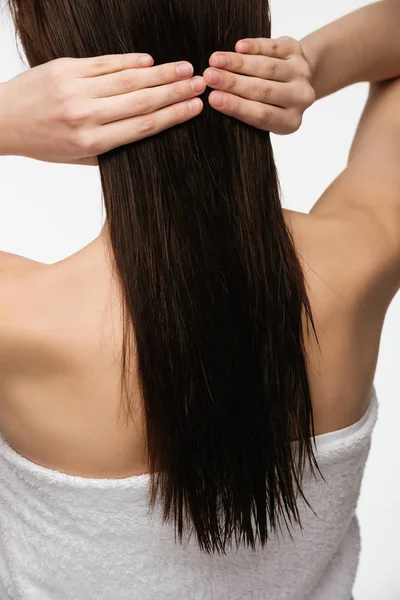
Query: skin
[[60, 326], [70, 110]]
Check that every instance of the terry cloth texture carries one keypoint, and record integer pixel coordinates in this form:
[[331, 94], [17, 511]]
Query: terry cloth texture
[[71, 538]]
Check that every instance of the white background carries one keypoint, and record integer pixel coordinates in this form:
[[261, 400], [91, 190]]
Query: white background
[[48, 212]]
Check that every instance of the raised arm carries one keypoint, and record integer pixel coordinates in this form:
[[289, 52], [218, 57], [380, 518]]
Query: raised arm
[[365, 46], [361, 46]]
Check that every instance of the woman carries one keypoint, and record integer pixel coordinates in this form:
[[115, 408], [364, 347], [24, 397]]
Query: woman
[[209, 356]]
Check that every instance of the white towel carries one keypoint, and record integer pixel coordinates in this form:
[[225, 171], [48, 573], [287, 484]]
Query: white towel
[[73, 538]]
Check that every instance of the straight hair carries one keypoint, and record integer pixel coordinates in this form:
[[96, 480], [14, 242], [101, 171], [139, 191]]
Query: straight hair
[[214, 296]]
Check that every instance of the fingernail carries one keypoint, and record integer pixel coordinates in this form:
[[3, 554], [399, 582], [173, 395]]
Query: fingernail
[[184, 69], [197, 84], [220, 61], [213, 77], [218, 99], [145, 60], [244, 47], [195, 105]]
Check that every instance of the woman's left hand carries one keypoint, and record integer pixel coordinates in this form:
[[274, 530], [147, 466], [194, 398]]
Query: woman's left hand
[[70, 110], [267, 84]]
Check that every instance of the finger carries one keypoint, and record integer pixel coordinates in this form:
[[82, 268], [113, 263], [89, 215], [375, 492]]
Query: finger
[[254, 66], [134, 129], [253, 88], [283, 47], [147, 101], [131, 80], [263, 116], [112, 63]]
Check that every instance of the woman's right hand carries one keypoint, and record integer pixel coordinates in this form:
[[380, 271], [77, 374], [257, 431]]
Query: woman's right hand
[[267, 85]]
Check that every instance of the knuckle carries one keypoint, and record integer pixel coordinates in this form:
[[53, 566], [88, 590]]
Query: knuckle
[[295, 121], [54, 71], [238, 62], [303, 95], [276, 46], [146, 127], [57, 67], [261, 91], [271, 70], [143, 103], [296, 46], [265, 117], [180, 91], [60, 88], [163, 72], [179, 111], [58, 78], [102, 62], [84, 142], [95, 114], [302, 68], [127, 80], [306, 71], [290, 43], [256, 89], [233, 104], [109, 87], [266, 93], [74, 113], [66, 61], [309, 96], [63, 93], [229, 83]]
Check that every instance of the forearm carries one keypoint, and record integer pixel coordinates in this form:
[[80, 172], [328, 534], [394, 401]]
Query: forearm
[[362, 46], [5, 142]]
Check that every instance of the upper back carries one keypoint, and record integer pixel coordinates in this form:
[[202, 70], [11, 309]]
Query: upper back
[[59, 408], [101, 531], [62, 331]]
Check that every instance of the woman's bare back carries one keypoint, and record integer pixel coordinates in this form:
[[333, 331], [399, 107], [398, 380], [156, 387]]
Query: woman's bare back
[[61, 334]]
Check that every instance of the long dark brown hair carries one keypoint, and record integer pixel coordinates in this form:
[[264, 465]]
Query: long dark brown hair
[[213, 292]]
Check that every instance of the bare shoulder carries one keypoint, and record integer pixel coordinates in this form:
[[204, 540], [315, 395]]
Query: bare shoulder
[[13, 264], [15, 274], [349, 253], [17, 297], [52, 317]]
